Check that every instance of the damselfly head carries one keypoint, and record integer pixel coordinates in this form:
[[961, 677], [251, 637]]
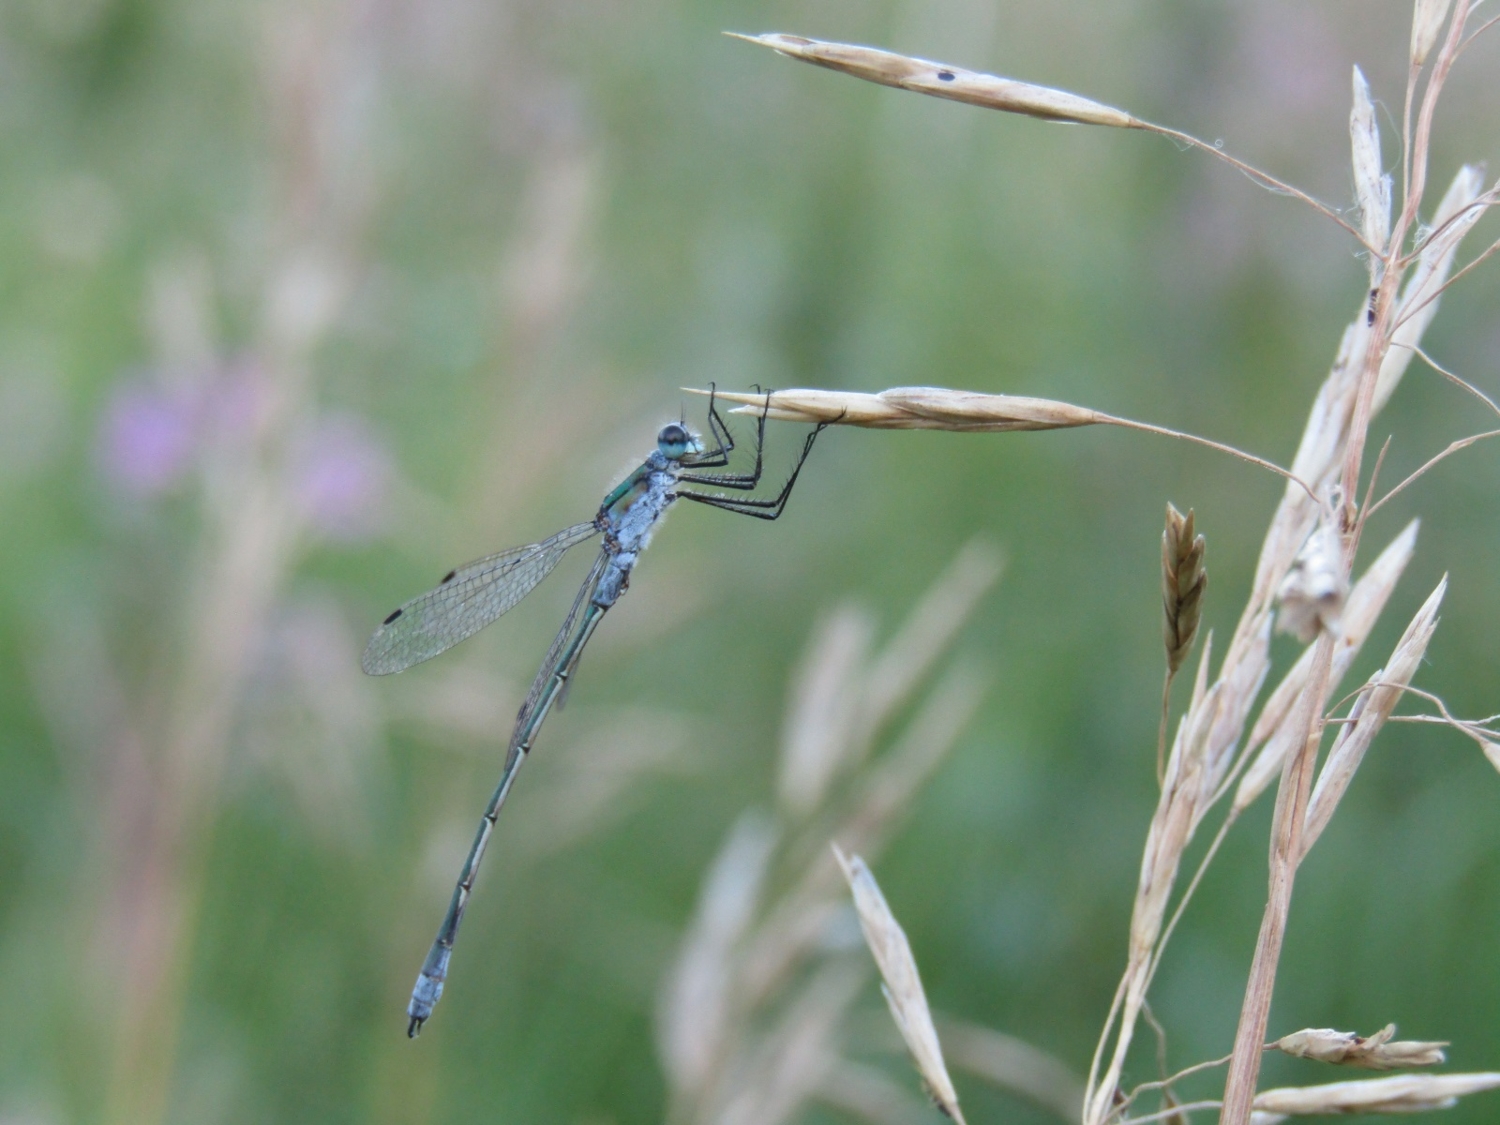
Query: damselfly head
[[675, 442]]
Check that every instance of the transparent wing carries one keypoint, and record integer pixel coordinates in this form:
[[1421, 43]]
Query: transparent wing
[[466, 601], [554, 654]]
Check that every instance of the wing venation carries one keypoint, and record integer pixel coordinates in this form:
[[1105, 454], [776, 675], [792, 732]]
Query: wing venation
[[467, 600]]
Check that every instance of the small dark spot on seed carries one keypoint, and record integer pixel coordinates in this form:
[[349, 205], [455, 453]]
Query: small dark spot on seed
[[395, 613], [945, 76], [447, 578]]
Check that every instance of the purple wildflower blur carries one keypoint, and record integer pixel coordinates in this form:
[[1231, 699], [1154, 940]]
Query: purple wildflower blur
[[340, 476], [148, 437], [338, 472]]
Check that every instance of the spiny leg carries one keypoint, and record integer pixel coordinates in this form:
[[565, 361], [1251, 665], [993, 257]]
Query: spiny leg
[[729, 506], [767, 509], [723, 439], [743, 481]]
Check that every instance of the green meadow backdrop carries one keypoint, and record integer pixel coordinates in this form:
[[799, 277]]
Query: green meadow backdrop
[[304, 303]]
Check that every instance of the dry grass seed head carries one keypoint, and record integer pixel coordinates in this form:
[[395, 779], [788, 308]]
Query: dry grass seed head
[[916, 408], [1426, 25], [736, 1043], [1406, 1093], [1274, 731], [1321, 448], [1381, 1051], [797, 923], [1372, 709], [1312, 593], [929, 629], [1372, 188], [1184, 581], [696, 1011], [818, 737], [1456, 214], [943, 81], [902, 983], [1202, 739], [871, 805], [796, 1055]]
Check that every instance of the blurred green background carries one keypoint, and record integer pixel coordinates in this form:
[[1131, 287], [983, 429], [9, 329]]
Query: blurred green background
[[302, 304]]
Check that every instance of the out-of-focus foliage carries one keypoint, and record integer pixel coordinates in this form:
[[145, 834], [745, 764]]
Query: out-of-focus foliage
[[303, 303]]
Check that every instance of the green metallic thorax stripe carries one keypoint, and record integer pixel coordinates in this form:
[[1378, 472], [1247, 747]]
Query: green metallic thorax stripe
[[624, 488]]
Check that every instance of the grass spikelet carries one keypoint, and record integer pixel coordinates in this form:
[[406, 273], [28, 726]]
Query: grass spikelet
[[1371, 710], [693, 1017], [1273, 733], [1426, 25], [797, 1053], [902, 983], [1312, 593], [930, 628], [823, 710], [1372, 188], [943, 81], [1381, 1051], [1183, 582], [1457, 212], [1406, 1093]]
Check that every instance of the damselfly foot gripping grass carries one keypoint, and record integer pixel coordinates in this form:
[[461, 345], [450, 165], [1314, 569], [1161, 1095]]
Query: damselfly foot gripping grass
[[472, 596]]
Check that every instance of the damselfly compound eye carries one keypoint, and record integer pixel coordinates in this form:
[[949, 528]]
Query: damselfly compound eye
[[674, 440]]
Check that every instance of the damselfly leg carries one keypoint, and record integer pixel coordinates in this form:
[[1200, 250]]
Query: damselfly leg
[[723, 439], [744, 482], [766, 509]]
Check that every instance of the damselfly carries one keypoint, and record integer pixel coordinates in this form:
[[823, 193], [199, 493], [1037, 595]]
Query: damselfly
[[472, 596]]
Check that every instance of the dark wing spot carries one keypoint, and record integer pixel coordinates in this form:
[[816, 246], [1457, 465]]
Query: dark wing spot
[[395, 613], [945, 76], [447, 578]]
